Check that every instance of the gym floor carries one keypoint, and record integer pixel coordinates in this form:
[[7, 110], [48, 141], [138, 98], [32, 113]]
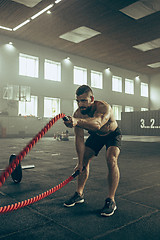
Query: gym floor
[[137, 197]]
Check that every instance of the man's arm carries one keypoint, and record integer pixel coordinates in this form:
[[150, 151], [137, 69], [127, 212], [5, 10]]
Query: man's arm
[[100, 118], [79, 142]]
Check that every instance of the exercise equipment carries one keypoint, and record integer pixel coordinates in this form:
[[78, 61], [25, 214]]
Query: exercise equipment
[[26, 150], [24, 203], [15, 161], [17, 173], [23, 167]]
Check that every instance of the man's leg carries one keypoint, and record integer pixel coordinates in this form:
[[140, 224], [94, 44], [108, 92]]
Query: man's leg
[[82, 178], [78, 197], [113, 170], [113, 180]]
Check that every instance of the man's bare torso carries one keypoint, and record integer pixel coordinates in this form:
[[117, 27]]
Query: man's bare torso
[[109, 126]]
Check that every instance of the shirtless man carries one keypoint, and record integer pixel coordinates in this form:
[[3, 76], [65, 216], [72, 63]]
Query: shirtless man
[[96, 117]]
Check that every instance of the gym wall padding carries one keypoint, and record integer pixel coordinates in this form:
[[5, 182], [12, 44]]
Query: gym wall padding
[[145, 123]]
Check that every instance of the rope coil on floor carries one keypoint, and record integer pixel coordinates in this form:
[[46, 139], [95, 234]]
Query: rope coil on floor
[[26, 150]]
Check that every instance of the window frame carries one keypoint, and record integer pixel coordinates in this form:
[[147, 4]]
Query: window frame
[[58, 72], [131, 81], [84, 80], [119, 113], [100, 79], [75, 105], [129, 107], [143, 109], [56, 112], [142, 90], [24, 106], [23, 70], [114, 84]]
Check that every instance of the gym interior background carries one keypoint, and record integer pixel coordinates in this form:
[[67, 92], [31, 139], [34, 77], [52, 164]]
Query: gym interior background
[[47, 49], [38, 80]]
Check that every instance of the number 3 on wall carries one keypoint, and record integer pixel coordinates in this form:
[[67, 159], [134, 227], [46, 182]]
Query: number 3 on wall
[[142, 123]]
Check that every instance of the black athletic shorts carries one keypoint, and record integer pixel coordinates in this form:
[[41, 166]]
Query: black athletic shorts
[[96, 142]]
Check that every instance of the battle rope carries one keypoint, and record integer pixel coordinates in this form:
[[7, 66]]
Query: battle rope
[[24, 203], [26, 150]]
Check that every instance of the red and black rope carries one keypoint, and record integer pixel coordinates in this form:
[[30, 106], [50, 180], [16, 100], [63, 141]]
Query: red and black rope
[[19, 158], [26, 150], [24, 203]]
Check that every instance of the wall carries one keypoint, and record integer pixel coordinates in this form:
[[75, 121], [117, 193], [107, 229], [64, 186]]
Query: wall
[[155, 92], [27, 126], [141, 123], [65, 90]]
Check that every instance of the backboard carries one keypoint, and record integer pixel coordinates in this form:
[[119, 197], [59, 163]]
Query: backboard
[[17, 93]]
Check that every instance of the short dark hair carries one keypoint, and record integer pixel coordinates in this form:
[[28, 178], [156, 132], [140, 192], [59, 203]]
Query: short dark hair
[[83, 89]]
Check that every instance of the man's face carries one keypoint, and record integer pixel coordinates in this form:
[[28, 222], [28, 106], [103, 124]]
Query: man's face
[[84, 102]]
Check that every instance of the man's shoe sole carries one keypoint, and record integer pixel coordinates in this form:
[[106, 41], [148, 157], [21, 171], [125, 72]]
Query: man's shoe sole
[[109, 214], [73, 204]]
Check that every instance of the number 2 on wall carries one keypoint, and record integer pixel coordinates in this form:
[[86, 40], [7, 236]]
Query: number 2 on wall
[[152, 122]]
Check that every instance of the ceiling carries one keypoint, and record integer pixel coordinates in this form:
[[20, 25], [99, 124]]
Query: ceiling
[[114, 46]]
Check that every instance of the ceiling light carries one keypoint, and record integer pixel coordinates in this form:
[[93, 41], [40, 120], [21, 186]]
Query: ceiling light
[[137, 78], [67, 60], [48, 12], [154, 65], [9, 47], [6, 28], [148, 45], [108, 71], [79, 34], [21, 25], [57, 1], [42, 11], [141, 8], [28, 3]]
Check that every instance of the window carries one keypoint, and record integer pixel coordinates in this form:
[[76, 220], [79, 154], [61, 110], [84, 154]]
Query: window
[[129, 109], [52, 70], [116, 84], [96, 79], [144, 89], [28, 108], [28, 65], [129, 86], [80, 75], [117, 109], [75, 105], [144, 109], [51, 107]]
